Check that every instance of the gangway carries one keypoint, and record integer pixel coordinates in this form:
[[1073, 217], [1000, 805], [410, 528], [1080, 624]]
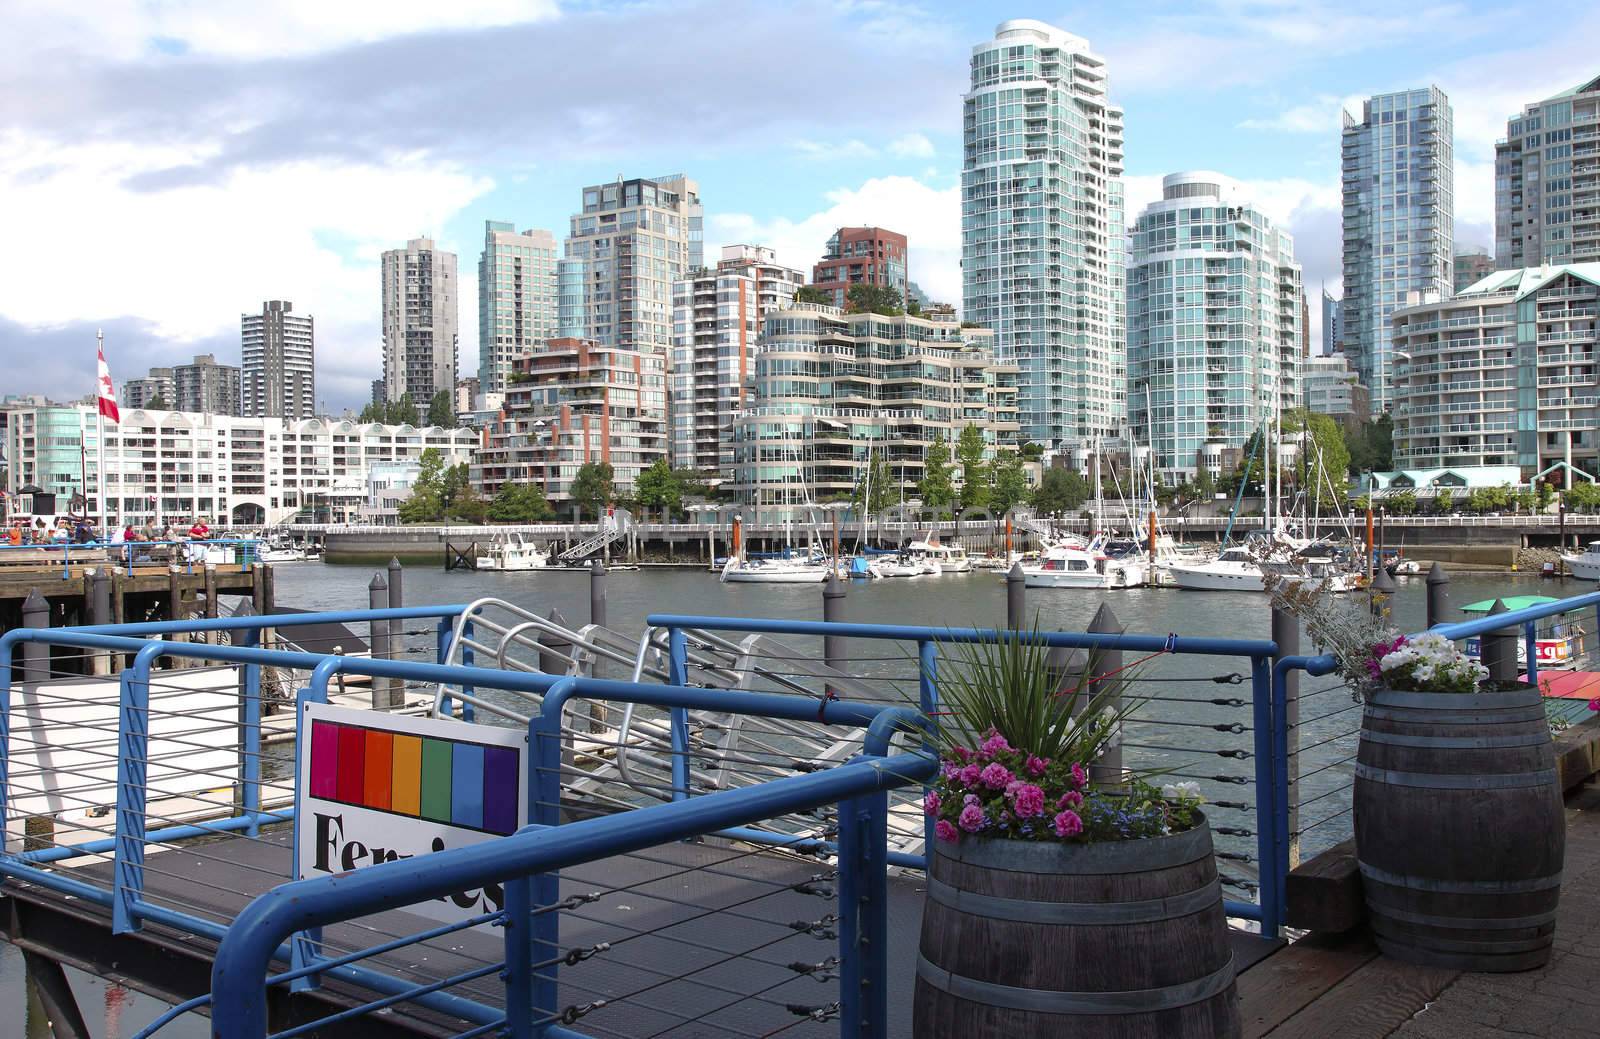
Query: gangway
[[613, 528]]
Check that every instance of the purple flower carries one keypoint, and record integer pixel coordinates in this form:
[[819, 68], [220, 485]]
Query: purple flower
[[970, 799], [972, 818], [1068, 824], [1036, 765], [996, 744], [946, 832], [1080, 778], [1029, 801], [950, 771], [969, 775], [996, 776], [930, 803], [1070, 799]]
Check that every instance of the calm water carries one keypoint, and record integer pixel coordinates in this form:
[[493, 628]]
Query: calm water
[[955, 601]]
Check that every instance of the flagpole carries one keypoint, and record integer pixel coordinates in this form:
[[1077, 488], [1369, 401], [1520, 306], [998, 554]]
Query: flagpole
[[100, 449]]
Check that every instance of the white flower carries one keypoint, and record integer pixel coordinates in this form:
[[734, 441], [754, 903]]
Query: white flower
[[1185, 791]]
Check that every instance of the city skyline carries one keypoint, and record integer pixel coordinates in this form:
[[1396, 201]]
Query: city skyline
[[117, 152]]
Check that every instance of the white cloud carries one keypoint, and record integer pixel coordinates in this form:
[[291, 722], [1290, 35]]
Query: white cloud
[[190, 260], [929, 217], [1319, 116], [834, 151], [912, 146]]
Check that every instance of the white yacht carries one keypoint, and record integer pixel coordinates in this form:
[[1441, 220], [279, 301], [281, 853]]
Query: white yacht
[[512, 553], [951, 559], [776, 570], [899, 566], [1585, 567], [1236, 569], [1071, 565]]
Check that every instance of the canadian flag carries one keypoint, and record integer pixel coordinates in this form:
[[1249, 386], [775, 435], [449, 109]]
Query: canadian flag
[[105, 390]]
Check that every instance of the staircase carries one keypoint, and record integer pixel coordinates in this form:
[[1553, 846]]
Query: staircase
[[613, 528]]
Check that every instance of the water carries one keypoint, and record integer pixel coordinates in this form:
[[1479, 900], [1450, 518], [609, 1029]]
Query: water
[[975, 600]]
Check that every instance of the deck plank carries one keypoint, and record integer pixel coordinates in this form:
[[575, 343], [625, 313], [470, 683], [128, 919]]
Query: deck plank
[[1371, 1002], [1290, 980]]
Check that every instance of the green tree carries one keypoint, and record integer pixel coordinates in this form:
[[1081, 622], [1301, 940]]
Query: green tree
[[1488, 499], [1010, 482], [1060, 490], [866, 298], [468, 506], [442, 410], [1547, 495], [873, 492], [974, 471], [914, 307], [428, 500], [660, 487], [1032, 452], [1371, 446], [1443, 501], [157, 403], [1582, 496], [812, 294], [592, 486], [1329, 487], [518, 503], [391, 412], [936, 489], [1402, 503]]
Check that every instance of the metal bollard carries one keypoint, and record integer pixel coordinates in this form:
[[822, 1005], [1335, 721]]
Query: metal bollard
[[597, 593], [1499, 652], [1016, 597], [100, 613], [397, 598], [1438, 594], [1286, 633], [833, 593], [1107, 768], [378, 636], [35, 655]]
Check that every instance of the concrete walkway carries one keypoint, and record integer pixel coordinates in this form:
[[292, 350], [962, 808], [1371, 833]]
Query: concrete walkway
[[1563, 999]]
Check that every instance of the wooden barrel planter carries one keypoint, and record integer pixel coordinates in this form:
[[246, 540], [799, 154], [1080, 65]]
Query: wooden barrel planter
[[1113, 940], [1459, 828]]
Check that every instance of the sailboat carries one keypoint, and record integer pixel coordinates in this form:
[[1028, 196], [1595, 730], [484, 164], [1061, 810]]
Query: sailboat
[[787, 567]]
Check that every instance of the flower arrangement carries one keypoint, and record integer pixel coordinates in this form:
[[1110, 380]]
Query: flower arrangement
[[997, 790], [1371, 654], [1017, 737]]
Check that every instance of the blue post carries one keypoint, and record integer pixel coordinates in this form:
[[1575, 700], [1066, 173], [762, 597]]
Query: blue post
[[678, 674], [441, 654], [133, 743], [250, 776], [7, 670], [1530, 641], [66, 561], [1270, 735], [928, 701], [467, 657], [532, 937], [864, 916], [305, 947]]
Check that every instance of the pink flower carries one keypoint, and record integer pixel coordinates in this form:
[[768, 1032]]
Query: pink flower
[[1070, 799], [1029, 801], [949, 771], [946, 832], [1036, 765], [1068, 824], [971, 799], [930, 803], [972, 818], [969, 775], [996, 776], [1080, 778], [995, 744], [962, 753], [1594, 705]]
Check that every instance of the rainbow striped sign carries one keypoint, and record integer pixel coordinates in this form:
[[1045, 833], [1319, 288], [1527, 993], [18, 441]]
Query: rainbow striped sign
[[457, 782]]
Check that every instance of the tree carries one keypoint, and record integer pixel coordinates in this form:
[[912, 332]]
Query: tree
[[812, 294], [1443, 501], [914, 307], [592, 486], [1403, 503], [518, 503], [936, 489], [1328, 454], [391, 412], [1032, 452], [468, 506], [866, 298], [442, 410], [157, 403], [974, 472], [1062, 490], [1010, 482], [1547, 495], [872, 492], [428, 491], [1582, 496], [1488, 499], [660, 486], [1371, 447]]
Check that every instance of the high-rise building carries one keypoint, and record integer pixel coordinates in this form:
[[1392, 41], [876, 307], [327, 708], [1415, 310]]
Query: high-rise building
[[1332, 319], [206, 387], [836, 392], [516, 298], [571, 402], [716, 321], [419, 322], [1471, 265], [1547, 182], [1399, 221], [279, 349], [632, 242], [1215, 334], [862, 256], [1042, 245], [145, 392], [1501, 374], [1332, 389]]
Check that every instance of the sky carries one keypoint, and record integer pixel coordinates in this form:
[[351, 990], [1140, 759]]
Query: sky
[[166, 165]]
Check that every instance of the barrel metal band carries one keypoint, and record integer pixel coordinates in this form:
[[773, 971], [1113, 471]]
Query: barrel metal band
[[1432, 781], [1497, 718], [1429, 703], [1394, 739], [995, 907], [1141, 856], [1504, 923], [1462, 887], [1049, 1001]]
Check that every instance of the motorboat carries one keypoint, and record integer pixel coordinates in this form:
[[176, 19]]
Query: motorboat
[[810, 569], [901, 565], [951, 559], [281, 553], [513, 553], [1234, 570], [1069, 565], [1585, 567]]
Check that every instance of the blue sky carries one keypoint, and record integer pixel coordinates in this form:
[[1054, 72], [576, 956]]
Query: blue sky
[[168, 164]]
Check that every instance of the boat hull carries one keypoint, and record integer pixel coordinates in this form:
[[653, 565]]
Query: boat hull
[[1584, 567], [776, 576], [1201, 579], [1035, 578]]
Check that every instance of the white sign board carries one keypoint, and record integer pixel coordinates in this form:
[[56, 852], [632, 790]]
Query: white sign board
[[375, 787]]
